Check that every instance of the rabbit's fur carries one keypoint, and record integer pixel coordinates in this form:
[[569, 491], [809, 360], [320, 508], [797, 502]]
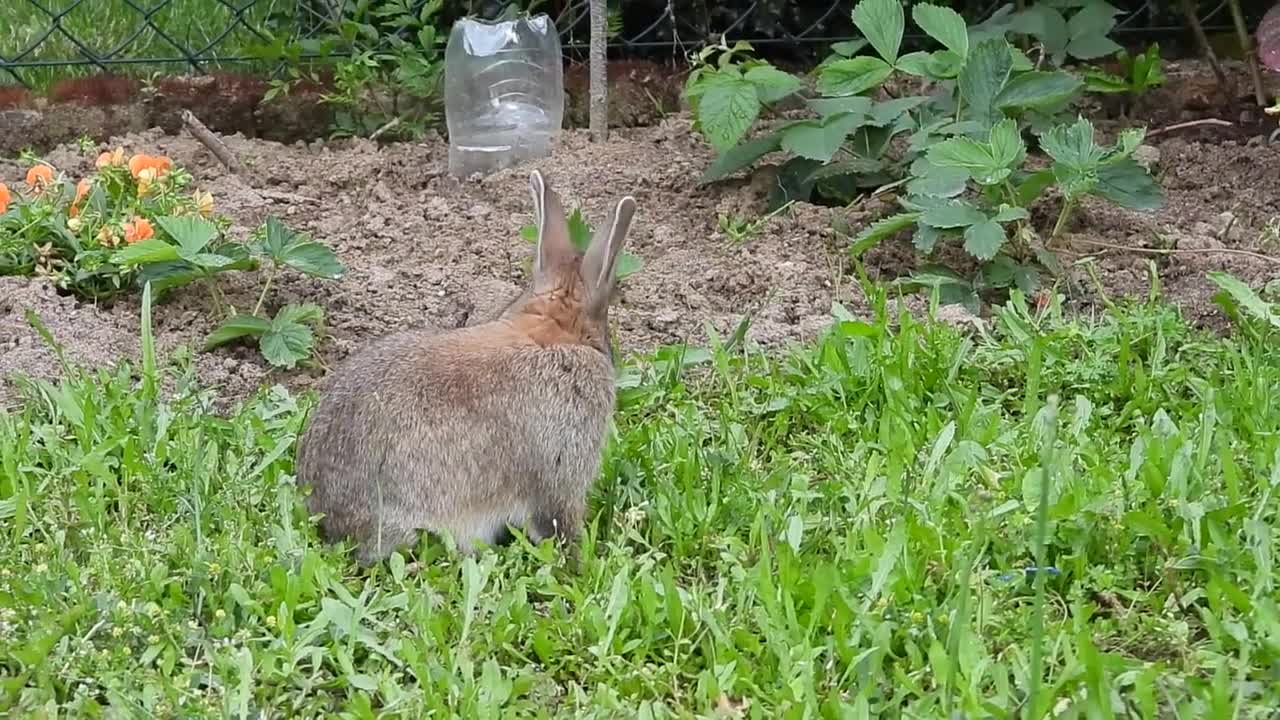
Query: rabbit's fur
[[470, 430]]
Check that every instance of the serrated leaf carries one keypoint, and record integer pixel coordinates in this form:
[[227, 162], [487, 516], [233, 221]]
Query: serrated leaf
[[1072, 145], [956, 215], [276, 236], [847, 166], [919, 63], [971, 155], [852, 76], [1103, 82], [889, 111], [1095, 18], [926, 238], [286, 342], [984, 239], [944, 25], [302, 313], [146, 252], [580, 231], [726, 109], [314, 259], [936, 181], [945, 65], [771, 83], [983, 77], [1129, 185], [210, 261], [820, 139], [737, 158], [238, 326], [1038, 89], [1030, 189], [1009, 213], [1006, 145], [882, 23], [1091, 47], [835, 106], [168, 275], [848, 48], [193, 234], [880, 230]]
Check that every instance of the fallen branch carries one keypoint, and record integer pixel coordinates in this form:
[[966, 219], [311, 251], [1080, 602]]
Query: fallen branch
[[395, 122], [1178, 251], [1189, 124], [214, 145], [288, 197]]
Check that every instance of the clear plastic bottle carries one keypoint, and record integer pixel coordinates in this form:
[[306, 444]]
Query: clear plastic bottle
[[504, 92]]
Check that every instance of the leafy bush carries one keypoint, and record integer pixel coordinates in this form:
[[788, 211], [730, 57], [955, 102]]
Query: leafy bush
[[962, 157]]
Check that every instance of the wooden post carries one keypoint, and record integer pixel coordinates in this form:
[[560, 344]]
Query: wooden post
[[599, 74]]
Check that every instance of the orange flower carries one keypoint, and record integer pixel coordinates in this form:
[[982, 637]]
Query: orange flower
[[82, 189], [115, 157], [138, 230], [139, 163], [5, 197], [39, 176]]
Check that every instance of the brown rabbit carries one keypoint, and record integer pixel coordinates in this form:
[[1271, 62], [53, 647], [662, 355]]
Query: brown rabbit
[[472, 430]]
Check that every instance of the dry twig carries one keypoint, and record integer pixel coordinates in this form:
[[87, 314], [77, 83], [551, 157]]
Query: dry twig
[[215, 146]]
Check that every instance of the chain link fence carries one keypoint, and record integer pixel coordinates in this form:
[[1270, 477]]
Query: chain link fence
[[42, 40]]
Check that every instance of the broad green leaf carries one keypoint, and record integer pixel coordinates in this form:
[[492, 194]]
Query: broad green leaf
[[286, 342], [1091, 47], [1246, 298], [919, 63], [580, 231], [882, 23], [302, 313], [210, 261], [1030, 189], [1129, 140], [881, 230], [236, 327], [847, 166], [628, 264], [850, 104], [848, 48], [193, 234], [728, 107], [792, 183], [983, 77], [951, 216], [771, 83], [1038, 89], [1103, 82], [852, 76], [926, 238], [971, 155], [1006, 145], [1046, 25], [1009, 213], [945, 65], [168, 275], [737, 158], [819, 140], [888, 112], [983, 240], [1095, 17], [937, 181], [944, 25], [314, 259], [1072, 145], [1074, 181], [276, 236], [1129, 185], [146, 252]]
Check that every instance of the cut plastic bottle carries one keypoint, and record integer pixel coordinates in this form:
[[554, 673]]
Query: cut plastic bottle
[[504, 92]]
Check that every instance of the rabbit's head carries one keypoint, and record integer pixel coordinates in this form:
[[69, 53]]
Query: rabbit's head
[[569, 296]]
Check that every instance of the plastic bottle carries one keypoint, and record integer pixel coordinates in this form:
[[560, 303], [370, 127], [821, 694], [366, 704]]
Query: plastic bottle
[[504, 92]]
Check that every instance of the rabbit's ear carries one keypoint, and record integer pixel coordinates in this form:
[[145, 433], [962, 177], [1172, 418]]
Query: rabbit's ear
[[601, 258], [554, 246]]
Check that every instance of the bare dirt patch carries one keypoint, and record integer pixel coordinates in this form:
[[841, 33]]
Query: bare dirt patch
[[425, 249]]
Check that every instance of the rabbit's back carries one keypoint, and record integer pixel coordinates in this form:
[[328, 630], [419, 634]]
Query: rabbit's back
[[454, 431]]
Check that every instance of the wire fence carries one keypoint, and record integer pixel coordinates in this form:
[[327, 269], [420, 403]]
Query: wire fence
[[41, 40]]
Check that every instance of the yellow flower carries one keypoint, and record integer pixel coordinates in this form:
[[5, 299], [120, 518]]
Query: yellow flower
[[145, 177], [74, 224], [115, 157], [204, 203]]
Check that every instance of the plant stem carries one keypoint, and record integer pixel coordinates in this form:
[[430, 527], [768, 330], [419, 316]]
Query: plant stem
[[1063, 214], [1250, 57], [266, 286], [1189, 12]]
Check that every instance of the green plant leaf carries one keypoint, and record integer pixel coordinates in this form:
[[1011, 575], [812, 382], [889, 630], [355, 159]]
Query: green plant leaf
[[1038, 89], [1090, 47], [851, 165], [193, 234], [314, 259], [935, 180], [1030, 189], [771, 83], [1099, 81], [1006, 145], [882, 22], [146, 252], [819, 140], [837, 105], [1129, 185], [234, 328], [286, 342], [919, 63], [276, 236], [209, 261], [851, 76], [954, 215], [1088, 29], [944, 25], [1072, 145], [735, 159], [165, 276], [848, 48], [1246, 298], [580, 231], [1008, 213], [926, 238], [984, 239], [727, 108], [302, 313], [972, 156], [983, 77], [880, 230], [889, 111]]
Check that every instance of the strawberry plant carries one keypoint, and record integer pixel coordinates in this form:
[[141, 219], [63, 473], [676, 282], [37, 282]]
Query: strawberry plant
[[1138, 74], [580, 234]]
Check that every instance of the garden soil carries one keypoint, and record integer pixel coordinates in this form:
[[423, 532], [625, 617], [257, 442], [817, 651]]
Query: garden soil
[[422, 248]]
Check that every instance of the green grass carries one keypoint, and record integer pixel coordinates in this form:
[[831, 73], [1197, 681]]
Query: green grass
[[843, 532], [105, 25]]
